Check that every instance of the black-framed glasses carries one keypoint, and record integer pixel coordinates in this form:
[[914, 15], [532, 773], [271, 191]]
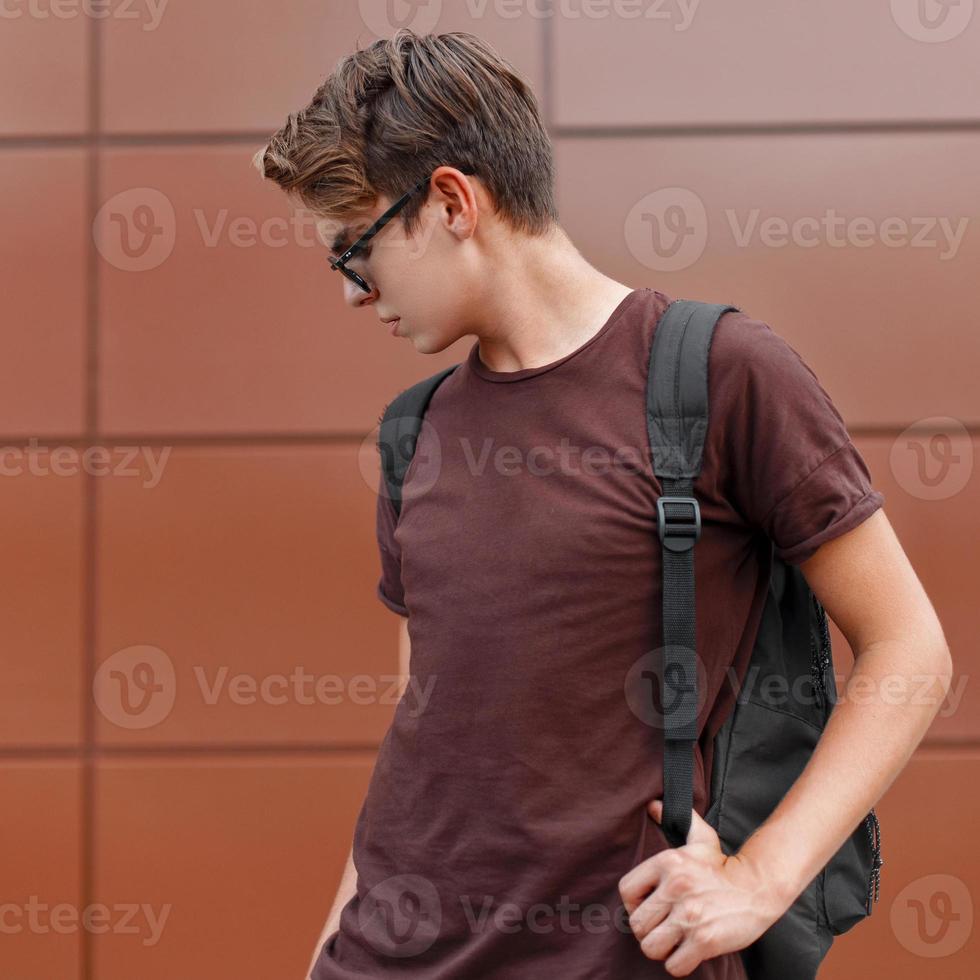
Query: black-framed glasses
[[339, 263]]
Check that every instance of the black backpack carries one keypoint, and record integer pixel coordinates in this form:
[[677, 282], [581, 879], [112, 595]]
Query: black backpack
[[762, 747]]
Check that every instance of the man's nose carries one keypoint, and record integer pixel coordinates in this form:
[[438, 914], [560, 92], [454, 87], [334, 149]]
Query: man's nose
[[355, 296]]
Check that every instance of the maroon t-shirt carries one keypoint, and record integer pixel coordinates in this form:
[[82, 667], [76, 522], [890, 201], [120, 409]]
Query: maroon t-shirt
[[509, 794]]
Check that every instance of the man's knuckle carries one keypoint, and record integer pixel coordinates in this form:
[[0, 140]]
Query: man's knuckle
[[681, 881], [691, 912], [706, 940], [627, 884]]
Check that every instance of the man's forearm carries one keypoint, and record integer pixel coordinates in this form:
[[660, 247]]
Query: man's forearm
[[345, 892], [888, 703]]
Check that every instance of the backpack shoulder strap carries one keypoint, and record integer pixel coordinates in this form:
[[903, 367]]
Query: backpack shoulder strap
[[399, 430], [677, 422]]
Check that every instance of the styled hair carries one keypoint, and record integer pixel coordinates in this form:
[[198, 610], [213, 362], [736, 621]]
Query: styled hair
[[391, 113]]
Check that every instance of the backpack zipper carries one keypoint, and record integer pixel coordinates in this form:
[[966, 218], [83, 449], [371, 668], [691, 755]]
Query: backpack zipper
[[874, 835], [821, 660]]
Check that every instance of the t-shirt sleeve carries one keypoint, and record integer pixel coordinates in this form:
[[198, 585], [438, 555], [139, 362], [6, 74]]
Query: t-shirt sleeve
[[389, 590], [791, 467]]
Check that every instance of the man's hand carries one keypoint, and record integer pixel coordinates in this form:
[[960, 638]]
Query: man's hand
[[703, 902]]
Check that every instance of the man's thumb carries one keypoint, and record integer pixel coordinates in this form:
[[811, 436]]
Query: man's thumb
[[701, 831], [656, 809]]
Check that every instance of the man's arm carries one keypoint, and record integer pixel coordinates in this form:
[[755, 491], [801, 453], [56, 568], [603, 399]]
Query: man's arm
[[404, 650], [901, 675], [705, 903], [345, 892], [348, 881]]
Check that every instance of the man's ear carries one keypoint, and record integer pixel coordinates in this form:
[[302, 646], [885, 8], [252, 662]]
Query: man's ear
[[458, 198]]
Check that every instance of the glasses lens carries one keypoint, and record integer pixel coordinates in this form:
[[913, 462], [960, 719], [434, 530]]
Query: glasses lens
[[351, 274]]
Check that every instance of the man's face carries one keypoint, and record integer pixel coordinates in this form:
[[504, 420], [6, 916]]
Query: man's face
[[419, 278]]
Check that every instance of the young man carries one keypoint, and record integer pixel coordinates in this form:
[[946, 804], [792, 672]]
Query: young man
[[511, 825]]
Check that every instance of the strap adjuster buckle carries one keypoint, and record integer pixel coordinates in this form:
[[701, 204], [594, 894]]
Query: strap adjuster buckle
[[676, 533]]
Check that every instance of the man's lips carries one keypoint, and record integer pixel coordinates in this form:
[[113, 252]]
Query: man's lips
[[394, 325]]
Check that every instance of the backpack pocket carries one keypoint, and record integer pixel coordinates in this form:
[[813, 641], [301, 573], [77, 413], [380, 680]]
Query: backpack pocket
[[850, 878], [762, 748], [761, 755]]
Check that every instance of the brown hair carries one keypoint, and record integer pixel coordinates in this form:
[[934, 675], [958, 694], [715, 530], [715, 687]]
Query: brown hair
[[393, 112]]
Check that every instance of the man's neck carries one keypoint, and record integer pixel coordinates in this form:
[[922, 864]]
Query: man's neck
[[545, 301]]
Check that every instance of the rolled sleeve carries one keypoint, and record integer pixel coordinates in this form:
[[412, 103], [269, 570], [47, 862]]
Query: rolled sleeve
[[834, 499], [389, 589], [791, 468]]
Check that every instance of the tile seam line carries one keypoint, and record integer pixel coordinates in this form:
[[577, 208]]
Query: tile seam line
[[219, 440], [196, 138]]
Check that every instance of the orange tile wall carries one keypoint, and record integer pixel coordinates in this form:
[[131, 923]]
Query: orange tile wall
[[219, 350]]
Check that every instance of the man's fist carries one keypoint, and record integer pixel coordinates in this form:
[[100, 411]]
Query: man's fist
[[691, 903]]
